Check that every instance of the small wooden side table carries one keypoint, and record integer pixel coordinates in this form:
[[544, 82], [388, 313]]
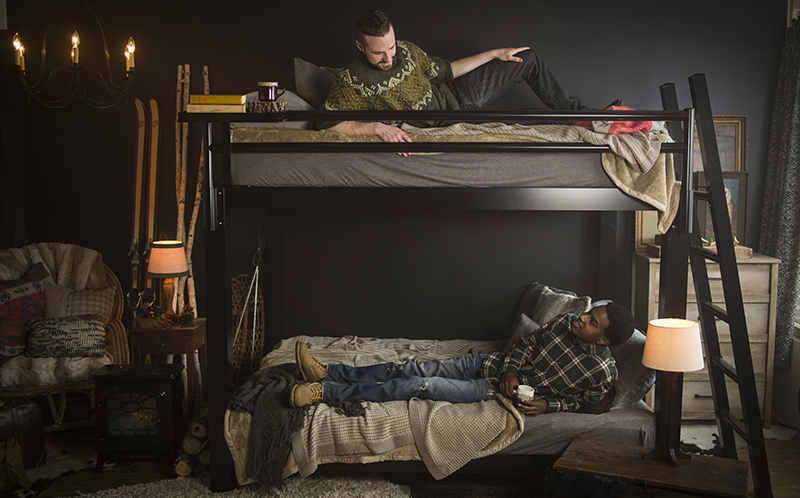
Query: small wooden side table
[[703, 475], [177, 340]]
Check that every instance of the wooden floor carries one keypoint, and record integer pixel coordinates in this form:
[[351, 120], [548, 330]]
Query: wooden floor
[[783, 457]]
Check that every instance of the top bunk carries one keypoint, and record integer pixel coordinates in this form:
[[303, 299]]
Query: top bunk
[[485, 160]]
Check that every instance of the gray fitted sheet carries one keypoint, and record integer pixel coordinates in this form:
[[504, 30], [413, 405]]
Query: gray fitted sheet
[[451, 169]]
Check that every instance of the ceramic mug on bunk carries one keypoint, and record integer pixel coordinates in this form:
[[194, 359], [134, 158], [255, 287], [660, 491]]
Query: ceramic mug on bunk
[[269, 91], [525, 393]]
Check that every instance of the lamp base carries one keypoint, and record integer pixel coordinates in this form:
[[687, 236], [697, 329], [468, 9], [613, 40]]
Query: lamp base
[[669, 434]]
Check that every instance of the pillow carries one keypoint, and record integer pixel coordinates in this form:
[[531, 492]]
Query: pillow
[[529, 299], [20, 300], [62, 302], [82, 335], [552, 304], [634, 379], [525, 327], [313, 83]]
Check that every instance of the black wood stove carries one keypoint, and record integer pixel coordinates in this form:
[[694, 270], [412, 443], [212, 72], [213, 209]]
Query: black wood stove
[[138, 412]]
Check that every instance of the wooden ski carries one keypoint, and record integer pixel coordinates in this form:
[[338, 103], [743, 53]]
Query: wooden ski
[[152, 177], [137, 243]]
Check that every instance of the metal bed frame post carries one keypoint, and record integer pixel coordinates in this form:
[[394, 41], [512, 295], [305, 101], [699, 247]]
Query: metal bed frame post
[[219, 315]]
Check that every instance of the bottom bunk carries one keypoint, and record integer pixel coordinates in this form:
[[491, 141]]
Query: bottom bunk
[[445, 437]]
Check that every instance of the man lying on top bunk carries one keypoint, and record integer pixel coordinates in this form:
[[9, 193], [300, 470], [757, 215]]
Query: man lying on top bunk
[[398, 75], [567, 362]]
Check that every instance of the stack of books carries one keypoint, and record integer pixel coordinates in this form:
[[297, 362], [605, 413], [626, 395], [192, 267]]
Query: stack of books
[[217, 103]]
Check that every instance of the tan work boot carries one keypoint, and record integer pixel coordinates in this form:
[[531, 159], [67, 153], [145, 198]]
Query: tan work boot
[[310, 367], [305, 394]]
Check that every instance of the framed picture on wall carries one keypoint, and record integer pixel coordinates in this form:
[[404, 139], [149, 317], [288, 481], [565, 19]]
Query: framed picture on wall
[[731, 134], [736, 195], [794, 11]]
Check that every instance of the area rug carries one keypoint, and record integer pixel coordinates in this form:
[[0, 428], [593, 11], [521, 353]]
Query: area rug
[[341, 486]]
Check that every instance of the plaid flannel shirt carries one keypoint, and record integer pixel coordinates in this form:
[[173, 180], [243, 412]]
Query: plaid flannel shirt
[[567, 374]]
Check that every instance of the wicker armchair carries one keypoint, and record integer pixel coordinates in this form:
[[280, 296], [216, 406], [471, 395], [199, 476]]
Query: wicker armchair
[[56, 395]]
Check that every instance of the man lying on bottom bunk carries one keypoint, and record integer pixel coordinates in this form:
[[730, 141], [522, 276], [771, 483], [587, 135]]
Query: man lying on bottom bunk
[[567, 362]]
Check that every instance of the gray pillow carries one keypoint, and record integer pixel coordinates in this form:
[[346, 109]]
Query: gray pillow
[[313, 82], [551, 304], [525, 326], [634, 378]]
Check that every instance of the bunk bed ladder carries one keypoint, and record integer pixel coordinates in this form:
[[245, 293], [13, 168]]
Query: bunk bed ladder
[[741, 372]]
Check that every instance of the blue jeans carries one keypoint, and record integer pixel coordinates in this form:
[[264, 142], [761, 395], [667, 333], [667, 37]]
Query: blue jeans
[[487, 82], [456, 380]]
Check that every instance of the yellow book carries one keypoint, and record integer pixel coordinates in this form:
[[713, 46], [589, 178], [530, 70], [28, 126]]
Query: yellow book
[[216, 108], [217, 99]]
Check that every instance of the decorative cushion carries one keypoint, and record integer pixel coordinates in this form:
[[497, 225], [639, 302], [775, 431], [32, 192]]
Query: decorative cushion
[[634, 378], [62, 302], [20, 300], [82, 335], [524, 327], [313, 82], [552, 304]]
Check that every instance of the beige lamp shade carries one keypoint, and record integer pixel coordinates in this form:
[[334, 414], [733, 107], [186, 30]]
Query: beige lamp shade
[[167, 259], [673, 345]]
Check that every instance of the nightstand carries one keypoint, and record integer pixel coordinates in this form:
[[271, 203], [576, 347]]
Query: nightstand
[[759, 281], [178, 340], [699, 475]]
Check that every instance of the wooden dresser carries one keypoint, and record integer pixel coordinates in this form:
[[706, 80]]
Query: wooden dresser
[[759, 281]]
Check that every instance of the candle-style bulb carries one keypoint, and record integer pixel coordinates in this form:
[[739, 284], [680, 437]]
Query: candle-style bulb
[[130, 48], [19, 52], [76, 41]]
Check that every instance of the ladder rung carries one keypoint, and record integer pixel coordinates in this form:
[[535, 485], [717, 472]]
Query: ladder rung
[[700, 195], [715, 310], [736, 424], [726, 367], [705, 253]]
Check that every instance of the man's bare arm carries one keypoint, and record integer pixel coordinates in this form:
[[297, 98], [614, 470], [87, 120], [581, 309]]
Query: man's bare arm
[[467, 64], [387, 133]]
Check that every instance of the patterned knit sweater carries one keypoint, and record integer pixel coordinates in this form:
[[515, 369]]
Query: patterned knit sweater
[[415, 82]]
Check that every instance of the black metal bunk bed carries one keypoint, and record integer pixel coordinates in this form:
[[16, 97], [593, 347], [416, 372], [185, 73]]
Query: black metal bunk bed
[[222, 198]]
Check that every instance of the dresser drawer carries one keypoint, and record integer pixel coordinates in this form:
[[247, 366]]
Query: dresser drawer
[[698, 405], [755, 280]]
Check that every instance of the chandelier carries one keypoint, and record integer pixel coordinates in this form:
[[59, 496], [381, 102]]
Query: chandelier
[[52, 89]]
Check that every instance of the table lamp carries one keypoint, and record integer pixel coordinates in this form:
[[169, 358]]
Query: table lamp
[[672, 346], [167, 261]]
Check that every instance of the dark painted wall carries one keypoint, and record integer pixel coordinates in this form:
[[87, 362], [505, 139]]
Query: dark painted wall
[[78, 161]]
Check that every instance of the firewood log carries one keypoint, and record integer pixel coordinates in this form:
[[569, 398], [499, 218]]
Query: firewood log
[[193, 445], [184, 464], [204, 457]]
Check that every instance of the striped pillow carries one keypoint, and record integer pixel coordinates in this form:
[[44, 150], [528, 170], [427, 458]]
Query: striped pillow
[[82, 335], [62, 302]]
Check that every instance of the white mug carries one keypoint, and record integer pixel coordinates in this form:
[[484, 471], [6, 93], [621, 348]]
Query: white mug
[[525, 393]]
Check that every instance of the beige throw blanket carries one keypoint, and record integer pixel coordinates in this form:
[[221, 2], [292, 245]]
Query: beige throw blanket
[[443, 435], [635, 165]]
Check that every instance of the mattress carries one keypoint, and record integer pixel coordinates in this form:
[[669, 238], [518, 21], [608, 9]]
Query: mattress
[[629, 421]]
